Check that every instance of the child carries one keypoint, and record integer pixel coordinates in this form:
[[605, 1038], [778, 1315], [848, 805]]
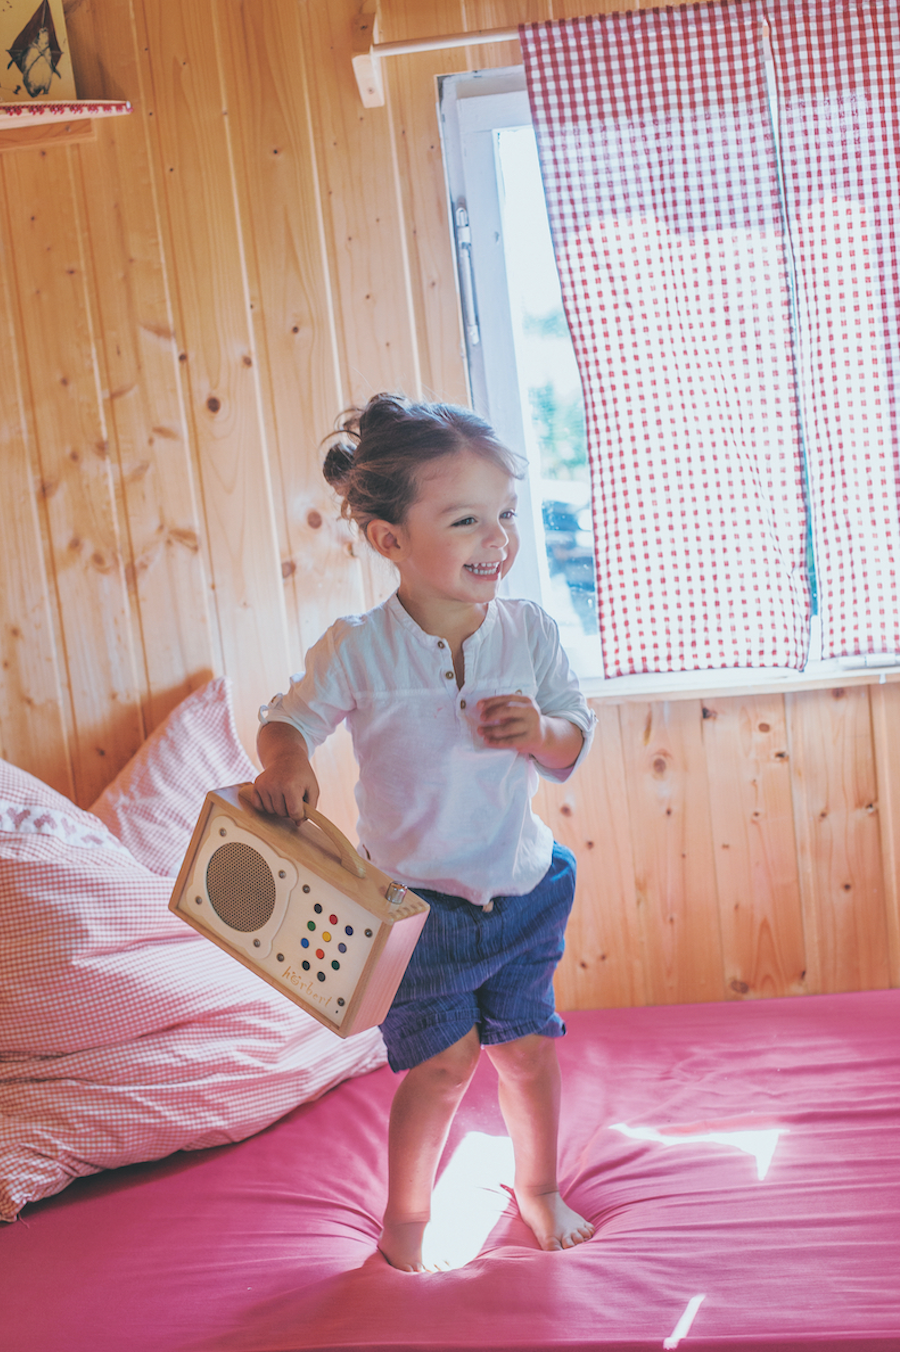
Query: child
[[455, 699]]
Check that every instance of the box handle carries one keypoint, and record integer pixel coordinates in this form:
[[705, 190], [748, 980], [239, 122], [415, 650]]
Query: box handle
[[351, 861]]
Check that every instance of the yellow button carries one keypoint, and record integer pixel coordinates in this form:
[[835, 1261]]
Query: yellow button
[[326, 937]]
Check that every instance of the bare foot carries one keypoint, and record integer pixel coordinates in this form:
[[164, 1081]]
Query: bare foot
[[555, 1225], [401, 1244]]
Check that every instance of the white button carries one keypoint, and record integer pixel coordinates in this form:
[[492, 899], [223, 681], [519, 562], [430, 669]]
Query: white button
[[441, 643], [449, 675]]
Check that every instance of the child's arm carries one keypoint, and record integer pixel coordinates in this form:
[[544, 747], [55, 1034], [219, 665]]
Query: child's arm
[[515, 723], [287, 785]]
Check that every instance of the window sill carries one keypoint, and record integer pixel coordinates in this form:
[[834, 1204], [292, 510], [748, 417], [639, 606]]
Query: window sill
[[657, 687]]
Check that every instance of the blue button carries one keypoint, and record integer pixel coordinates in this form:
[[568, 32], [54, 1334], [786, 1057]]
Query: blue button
[[342, 948], [304, 943]]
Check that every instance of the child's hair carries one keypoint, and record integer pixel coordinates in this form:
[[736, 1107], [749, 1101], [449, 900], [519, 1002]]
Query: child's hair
[[377, 452]]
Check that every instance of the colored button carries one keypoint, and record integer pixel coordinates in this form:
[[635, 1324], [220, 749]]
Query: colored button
[[342, 948], [304, 943], [336, 965], [326, 936], [348, 929], [333, 919], [318, 909], [320, 976], [320, 953], [311, 924], [305, 966]]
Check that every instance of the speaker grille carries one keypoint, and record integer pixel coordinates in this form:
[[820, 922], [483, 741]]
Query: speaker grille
[[240, 887]]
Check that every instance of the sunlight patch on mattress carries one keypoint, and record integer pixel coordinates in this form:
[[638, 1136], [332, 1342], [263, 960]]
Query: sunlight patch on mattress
[[761, 1143], [469, 1199]]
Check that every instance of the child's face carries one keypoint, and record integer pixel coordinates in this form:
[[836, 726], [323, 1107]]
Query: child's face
[[459, 537]]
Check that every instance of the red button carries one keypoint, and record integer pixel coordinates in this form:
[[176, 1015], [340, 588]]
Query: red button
[[333, 919], [319, 953]]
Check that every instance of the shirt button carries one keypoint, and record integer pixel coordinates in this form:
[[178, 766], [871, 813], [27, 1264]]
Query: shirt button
[[449, 675], [441, 643], [462, 703]]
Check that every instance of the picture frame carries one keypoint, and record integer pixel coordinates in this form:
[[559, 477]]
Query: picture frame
[[34, 50]]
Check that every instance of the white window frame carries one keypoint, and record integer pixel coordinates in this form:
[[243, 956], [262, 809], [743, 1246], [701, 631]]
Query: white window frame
[[471, 108]]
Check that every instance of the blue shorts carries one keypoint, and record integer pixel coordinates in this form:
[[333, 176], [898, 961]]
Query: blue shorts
[[492, 970]]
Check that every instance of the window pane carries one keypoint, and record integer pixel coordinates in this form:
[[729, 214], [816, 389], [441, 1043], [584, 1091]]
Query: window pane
[[549, 386]]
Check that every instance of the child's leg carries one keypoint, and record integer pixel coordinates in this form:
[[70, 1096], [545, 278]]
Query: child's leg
[[528, 1071], [421, 1113]]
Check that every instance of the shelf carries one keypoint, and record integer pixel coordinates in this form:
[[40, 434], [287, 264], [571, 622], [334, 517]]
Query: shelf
[[27, 125], [37, 114]]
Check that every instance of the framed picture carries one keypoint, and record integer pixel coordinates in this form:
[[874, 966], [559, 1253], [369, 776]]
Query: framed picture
[[34, 52]]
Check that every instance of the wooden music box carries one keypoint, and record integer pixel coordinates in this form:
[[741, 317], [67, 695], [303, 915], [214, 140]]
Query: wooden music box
[[299, 906]]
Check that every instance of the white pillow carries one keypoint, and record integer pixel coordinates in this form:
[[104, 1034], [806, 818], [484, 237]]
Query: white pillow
[[124, 1035], [153, 803]]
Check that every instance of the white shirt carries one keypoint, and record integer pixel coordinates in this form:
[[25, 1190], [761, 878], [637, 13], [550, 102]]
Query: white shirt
[[437, 808]]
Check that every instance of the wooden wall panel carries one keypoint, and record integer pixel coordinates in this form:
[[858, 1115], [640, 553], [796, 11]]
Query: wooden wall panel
[[675, 876], [212, 310], [749, 774], [361, 200], [838, 838], [412, 111], [292, 305], [33, 726], [884, 701], [604, 961], [57, 344], [138, 356], [214, 278]]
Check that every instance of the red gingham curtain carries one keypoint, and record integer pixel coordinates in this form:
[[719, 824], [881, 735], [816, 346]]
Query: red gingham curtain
[[705, 168]]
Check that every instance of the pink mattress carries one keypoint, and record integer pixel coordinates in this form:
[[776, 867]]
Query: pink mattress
[[741, 1163]]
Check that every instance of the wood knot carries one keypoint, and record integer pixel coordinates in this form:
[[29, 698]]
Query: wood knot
[[739, 987], [709, 713], [314, 519], [764, 727], [659, 765], [565, 810], [288, 568], [213, 404], [840, 693]]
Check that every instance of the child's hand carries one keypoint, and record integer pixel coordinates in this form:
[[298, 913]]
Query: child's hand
[[286, 789], [512, 722], [515, 723], [287, 785]]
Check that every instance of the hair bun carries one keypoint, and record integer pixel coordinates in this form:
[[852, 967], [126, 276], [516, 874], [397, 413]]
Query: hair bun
[[338, 463]]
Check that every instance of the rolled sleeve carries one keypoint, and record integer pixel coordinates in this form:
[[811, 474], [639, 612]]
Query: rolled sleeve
[[318, 699], [559, 695]]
